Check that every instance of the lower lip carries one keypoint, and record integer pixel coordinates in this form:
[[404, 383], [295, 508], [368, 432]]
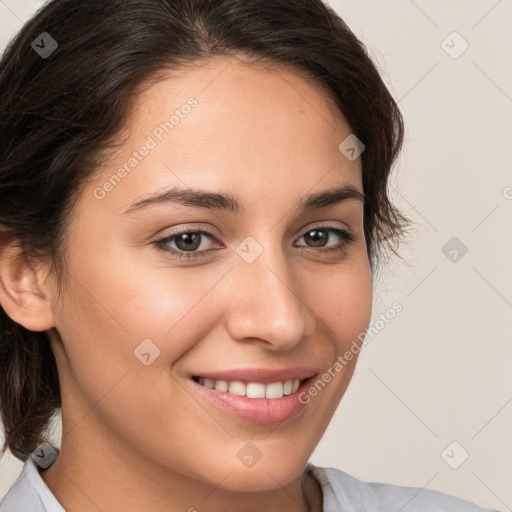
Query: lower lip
[[263, 411]]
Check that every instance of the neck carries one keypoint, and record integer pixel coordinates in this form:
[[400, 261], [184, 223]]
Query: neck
[[84, 479]]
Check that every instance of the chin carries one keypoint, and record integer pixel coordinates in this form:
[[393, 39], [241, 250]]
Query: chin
[[268, 473], [258, 480]]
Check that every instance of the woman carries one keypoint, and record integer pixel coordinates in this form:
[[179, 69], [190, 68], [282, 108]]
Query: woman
[[193, 210]]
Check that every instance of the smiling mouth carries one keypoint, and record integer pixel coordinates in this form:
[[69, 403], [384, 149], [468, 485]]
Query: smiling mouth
[[272, 390]]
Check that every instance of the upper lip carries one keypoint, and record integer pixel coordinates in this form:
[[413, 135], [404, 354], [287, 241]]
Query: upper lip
[[262, 375]]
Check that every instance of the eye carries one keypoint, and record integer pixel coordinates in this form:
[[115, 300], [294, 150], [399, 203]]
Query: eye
[[188, 244], [319, 236], [187, 241]]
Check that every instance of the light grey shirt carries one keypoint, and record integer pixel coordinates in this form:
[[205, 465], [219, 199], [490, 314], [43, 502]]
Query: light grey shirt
[[341, 493]]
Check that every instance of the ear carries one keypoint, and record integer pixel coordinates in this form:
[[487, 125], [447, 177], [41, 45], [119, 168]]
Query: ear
[[23, 294]]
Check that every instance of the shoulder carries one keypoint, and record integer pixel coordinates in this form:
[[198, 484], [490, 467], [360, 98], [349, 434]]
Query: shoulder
[[29, 493], [341, 489], [21, 495]]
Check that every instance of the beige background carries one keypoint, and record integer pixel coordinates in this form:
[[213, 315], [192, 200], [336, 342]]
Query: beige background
[[440, 371]]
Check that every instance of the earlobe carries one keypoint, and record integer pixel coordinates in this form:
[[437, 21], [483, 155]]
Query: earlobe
[[22, 293]]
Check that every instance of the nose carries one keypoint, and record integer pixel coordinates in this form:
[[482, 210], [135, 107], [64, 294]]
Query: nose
[[266, 306]]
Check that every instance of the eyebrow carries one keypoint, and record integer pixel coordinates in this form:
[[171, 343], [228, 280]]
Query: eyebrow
[[199, 198]]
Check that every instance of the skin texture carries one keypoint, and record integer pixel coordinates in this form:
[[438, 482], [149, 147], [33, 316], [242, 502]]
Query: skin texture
[[138, 437]]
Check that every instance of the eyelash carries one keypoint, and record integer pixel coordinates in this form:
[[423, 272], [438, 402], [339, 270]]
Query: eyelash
[[346, 235]]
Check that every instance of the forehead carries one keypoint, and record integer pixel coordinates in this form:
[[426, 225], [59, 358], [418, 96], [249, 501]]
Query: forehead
[[225, 124], [229, 84]]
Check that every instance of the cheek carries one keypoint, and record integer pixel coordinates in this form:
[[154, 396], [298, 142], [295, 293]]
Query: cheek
[[128, 301], [343, 298], [105, 315]]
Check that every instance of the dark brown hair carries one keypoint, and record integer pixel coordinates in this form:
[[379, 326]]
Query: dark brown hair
[[58, 115]]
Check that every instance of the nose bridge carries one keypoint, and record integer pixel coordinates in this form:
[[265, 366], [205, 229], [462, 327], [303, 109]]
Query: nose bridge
[[269, 306]]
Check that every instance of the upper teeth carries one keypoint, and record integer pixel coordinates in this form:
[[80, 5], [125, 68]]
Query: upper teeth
[[253, 389]]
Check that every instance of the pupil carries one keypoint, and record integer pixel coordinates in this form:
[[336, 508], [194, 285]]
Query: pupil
[[187, 238], [317, 240]]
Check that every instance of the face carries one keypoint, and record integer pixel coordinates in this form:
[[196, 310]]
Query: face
[[259, 295]]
